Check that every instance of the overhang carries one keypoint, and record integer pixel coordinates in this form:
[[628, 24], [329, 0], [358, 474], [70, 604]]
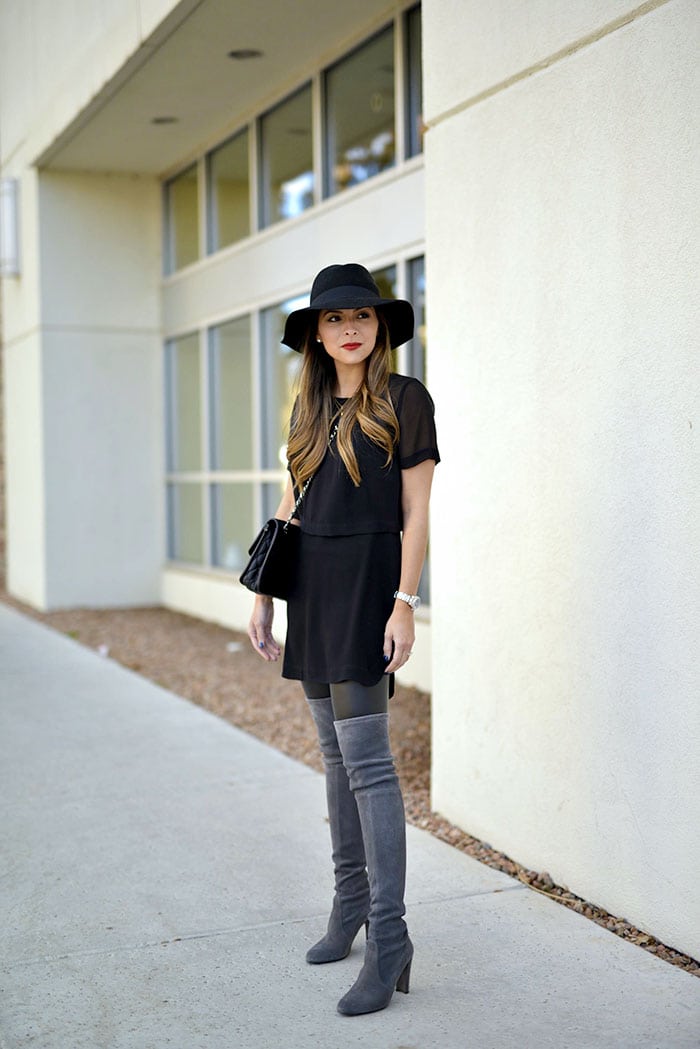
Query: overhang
[[183, 78]]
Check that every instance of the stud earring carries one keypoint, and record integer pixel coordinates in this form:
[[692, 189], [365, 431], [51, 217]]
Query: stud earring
[[318, 338]]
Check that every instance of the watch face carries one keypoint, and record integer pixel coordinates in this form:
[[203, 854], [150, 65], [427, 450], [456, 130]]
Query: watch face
[[415, 603]]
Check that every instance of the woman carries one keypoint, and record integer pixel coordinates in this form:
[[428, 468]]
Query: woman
[[366, 437]]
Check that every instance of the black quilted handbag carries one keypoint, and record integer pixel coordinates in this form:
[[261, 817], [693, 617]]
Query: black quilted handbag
[[273, 559], [274, 554]]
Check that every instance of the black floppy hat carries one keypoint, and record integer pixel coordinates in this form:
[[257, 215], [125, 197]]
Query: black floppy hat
[[348, 287]]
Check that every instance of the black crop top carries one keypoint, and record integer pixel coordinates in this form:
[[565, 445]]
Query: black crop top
[[334, 506]]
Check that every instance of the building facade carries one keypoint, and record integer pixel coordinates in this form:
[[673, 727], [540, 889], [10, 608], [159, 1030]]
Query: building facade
[[173, 176]]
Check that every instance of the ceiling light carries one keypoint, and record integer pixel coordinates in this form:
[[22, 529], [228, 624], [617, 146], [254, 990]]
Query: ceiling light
[[241, 53]]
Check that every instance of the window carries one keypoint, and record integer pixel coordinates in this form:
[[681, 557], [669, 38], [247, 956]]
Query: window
[[231, 444], [414, 83], [415, 361], [280, 368], [185, 528], [228, 193], [225, 474], [184, 449], [181, 220], [286, 159], [230, 385], [386, 282], [357, 131], [182, 373], [359, 110], [233, 524], [415, 365]]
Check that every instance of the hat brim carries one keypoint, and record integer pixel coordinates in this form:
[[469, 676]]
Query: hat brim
[[398, 314]]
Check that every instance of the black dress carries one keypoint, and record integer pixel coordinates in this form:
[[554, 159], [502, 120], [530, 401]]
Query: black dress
[[350, 551]]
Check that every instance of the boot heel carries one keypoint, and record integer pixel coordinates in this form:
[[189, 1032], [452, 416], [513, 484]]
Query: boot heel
[[403, 980]]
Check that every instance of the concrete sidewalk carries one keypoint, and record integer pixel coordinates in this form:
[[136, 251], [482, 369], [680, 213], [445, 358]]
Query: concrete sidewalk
[[163, 874]]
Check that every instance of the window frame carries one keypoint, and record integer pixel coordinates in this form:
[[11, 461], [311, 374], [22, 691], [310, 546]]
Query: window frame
[[322, 163]]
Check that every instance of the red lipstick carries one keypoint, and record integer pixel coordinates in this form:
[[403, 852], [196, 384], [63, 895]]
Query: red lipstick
[[351, 345]]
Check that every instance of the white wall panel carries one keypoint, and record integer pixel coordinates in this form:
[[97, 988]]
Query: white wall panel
[[562, 297], [84, 396], [100, 251], [104, 463], [24, 470], [470, 47]]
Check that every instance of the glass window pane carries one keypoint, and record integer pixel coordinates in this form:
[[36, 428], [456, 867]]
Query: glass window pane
[[185, 528], [232, 524], [287, 159], [271, 497], [183, 407], [414, 81], [279, 369], [415, 365], [231, 395], [181, 220], [416, 348], [386, 282], [229, 192], [360, 113]]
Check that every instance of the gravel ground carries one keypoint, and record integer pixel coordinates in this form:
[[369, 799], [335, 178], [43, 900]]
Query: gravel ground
[[217, 669]]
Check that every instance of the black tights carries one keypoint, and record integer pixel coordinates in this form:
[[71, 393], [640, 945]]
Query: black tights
[[350, 699]]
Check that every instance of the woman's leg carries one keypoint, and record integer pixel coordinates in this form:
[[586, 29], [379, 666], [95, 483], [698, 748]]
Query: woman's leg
[[351, 900], [362, 729]]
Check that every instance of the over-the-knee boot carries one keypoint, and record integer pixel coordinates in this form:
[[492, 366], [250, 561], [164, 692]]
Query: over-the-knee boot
[[351, 901], [364, 744]]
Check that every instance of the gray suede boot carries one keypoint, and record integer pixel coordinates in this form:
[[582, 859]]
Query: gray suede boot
[[364, 744], [351, 901]]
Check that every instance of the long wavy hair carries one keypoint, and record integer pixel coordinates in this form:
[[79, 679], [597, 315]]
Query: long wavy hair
[[316, 410]]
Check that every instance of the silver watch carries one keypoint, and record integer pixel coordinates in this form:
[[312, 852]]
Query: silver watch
[[412, 600]]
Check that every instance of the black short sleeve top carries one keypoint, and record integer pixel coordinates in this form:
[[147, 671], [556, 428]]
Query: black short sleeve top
[[334, 506]]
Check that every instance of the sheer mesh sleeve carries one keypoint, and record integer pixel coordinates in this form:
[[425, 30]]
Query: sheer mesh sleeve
[[416, 414]]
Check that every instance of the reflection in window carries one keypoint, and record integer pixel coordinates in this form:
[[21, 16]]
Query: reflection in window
[[185, 528], [386, 282], [280, 367], [286, 153], [230, 395], [414, 79], [228, 192], [232, 518], [416, 293], [360, 113], [415, 365], [183, 404], [181, 220]]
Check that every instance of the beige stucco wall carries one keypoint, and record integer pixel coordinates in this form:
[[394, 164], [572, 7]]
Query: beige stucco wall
[[562, 294], [22, 413], [82, 352], [83, 393]]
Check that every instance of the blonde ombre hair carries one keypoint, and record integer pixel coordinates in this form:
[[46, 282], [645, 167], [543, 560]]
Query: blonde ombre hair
[[316, 409]]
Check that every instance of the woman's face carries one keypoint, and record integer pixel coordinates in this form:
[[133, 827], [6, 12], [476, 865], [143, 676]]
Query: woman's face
[[348, 336]]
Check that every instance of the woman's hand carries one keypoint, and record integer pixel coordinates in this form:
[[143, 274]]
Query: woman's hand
[[260, 629], [399, 635]]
